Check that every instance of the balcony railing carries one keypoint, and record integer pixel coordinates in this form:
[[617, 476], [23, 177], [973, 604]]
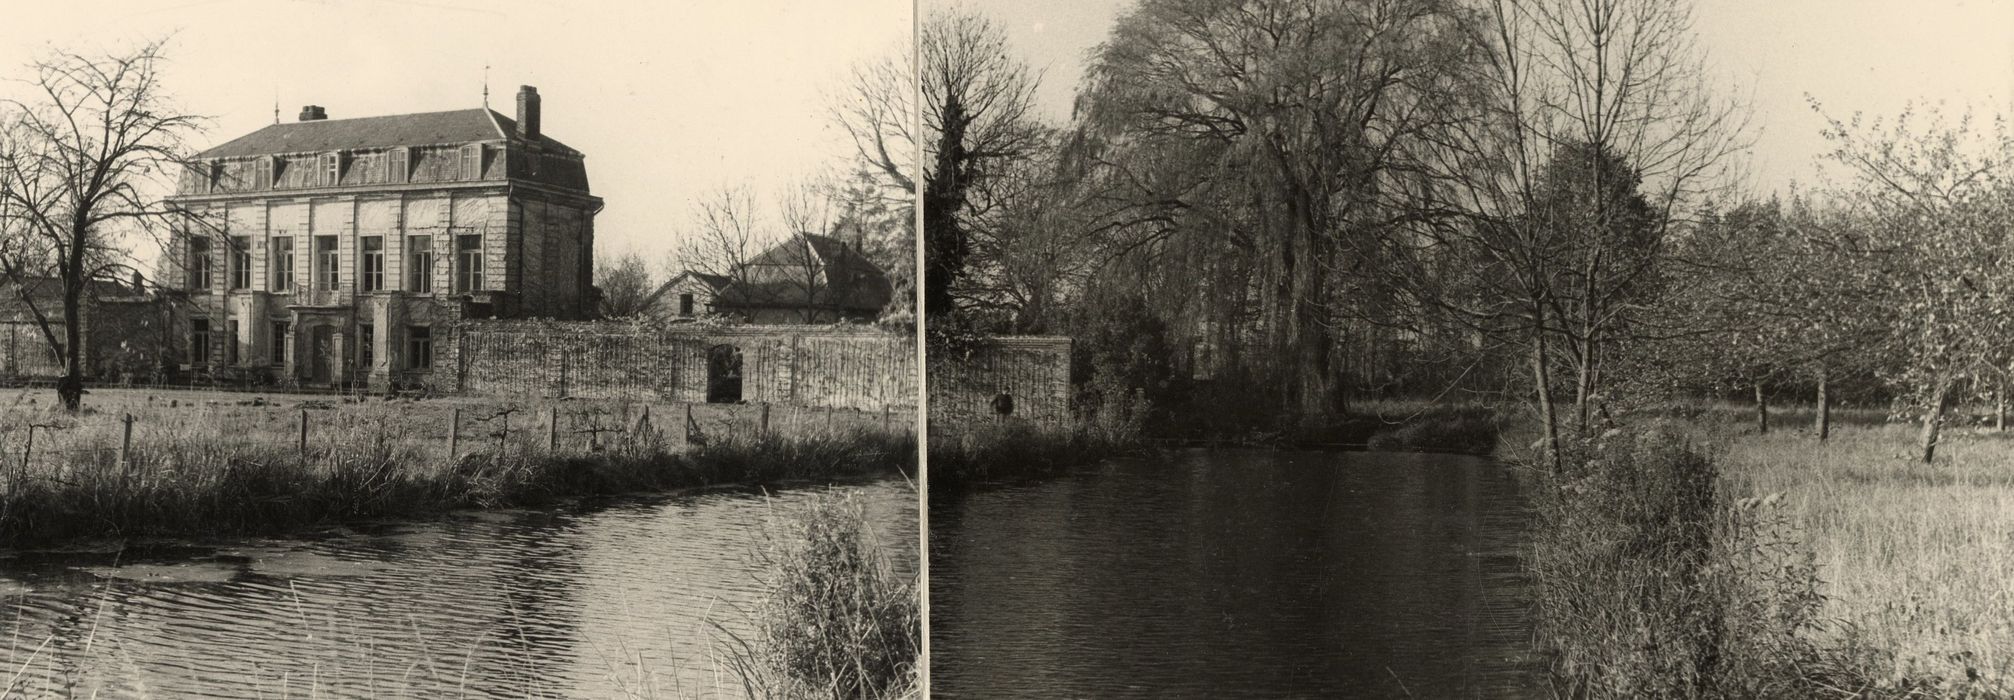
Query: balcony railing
[[309, 295]]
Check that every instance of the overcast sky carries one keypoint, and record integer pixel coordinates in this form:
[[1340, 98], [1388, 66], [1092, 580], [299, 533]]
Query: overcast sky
[[1852, 55], [669, 99]]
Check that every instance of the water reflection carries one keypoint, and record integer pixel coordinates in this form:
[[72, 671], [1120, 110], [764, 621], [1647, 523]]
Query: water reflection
[[616, 600], [1234, 574]]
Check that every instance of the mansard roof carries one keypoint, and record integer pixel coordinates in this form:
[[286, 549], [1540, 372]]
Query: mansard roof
[[420, 129]]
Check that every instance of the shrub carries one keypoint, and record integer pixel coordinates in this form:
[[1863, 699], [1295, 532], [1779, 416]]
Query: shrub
[[1650, 585], [836, 620]]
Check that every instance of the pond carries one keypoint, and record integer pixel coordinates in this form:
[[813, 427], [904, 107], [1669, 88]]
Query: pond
[[614, 599], [1229, 573]]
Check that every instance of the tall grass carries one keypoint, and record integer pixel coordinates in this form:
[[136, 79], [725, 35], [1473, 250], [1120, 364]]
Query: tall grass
[[1651, 583], [836, 620], [1020, 452], [1916, 558], [229, 479]]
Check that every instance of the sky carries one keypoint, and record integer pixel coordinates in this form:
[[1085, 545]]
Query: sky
[[670, 100], [1871, 56]]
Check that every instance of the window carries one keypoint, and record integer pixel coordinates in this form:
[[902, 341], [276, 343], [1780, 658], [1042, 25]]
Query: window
[[241, 262], [231, 342], [279, 343], [685, 304], [199, 264], [419, 347], [468, 263], [283, 263], [472, 161], [199, 341], [325, 262], [332, 169], [374, 263], [366, 341], [399, 165], [420, 273]]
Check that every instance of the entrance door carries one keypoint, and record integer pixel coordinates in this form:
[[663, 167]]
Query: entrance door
[[723, 374], [319, 355]]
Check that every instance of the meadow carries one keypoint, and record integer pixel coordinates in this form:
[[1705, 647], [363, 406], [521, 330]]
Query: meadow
[[1690, 554], [1914, 559]]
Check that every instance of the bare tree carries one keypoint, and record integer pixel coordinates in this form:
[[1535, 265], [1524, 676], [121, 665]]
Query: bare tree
[[977, 105], [625, 284], [74, 164], [725, 235], [1595, 131]]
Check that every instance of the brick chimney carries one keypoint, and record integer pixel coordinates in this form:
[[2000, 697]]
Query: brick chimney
[[313, 113], [527, 112]]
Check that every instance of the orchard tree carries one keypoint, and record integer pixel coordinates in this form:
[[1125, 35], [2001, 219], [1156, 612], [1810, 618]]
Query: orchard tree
[[1927, 224]]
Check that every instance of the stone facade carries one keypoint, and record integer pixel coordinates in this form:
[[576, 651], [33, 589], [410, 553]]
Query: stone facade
[[1004, 381], [836, 367], [333, 248]]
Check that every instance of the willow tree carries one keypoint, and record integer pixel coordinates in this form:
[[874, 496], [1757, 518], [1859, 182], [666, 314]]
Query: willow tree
[[1293, 119], [77, 161]]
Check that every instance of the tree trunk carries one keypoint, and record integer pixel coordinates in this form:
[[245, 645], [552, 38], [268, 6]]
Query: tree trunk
[[70, 389], [1934, 420], [1542, 378], [1824, 419], [1584, 387], [2000, 406], [1761, 411]]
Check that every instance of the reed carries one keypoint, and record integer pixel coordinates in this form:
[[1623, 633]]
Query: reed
[[194, 475]]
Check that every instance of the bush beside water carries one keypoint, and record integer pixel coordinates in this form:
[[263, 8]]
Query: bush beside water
[[837, 621]]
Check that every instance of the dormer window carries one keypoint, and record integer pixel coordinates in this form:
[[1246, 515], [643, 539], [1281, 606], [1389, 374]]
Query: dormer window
[[398, 165], [332, 164], [472, 161]]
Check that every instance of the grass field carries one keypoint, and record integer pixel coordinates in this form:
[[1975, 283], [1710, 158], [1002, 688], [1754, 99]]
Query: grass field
[[1916, 559]]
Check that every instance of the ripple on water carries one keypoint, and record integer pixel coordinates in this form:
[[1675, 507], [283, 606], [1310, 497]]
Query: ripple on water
[[595, 602]]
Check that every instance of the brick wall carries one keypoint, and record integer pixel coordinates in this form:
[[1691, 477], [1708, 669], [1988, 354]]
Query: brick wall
[[814, 366], [1032, 372]]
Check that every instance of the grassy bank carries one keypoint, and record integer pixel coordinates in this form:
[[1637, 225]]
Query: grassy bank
[[1650, 581], [961, 461], [189, 475], [958, 460], [1695, 557]]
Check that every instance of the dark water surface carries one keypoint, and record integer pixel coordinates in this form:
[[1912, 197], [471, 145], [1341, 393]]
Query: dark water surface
[[1215, 573], [610, 601]]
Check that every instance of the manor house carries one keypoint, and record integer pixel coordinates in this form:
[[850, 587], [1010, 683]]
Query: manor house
[[335, 252]]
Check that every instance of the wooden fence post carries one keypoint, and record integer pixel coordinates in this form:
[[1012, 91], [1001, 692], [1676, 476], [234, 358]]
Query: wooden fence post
[[688, 425], [552, 429], [125, 453], [762, 428], [27, 455], [454, 433], [304, 434]]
